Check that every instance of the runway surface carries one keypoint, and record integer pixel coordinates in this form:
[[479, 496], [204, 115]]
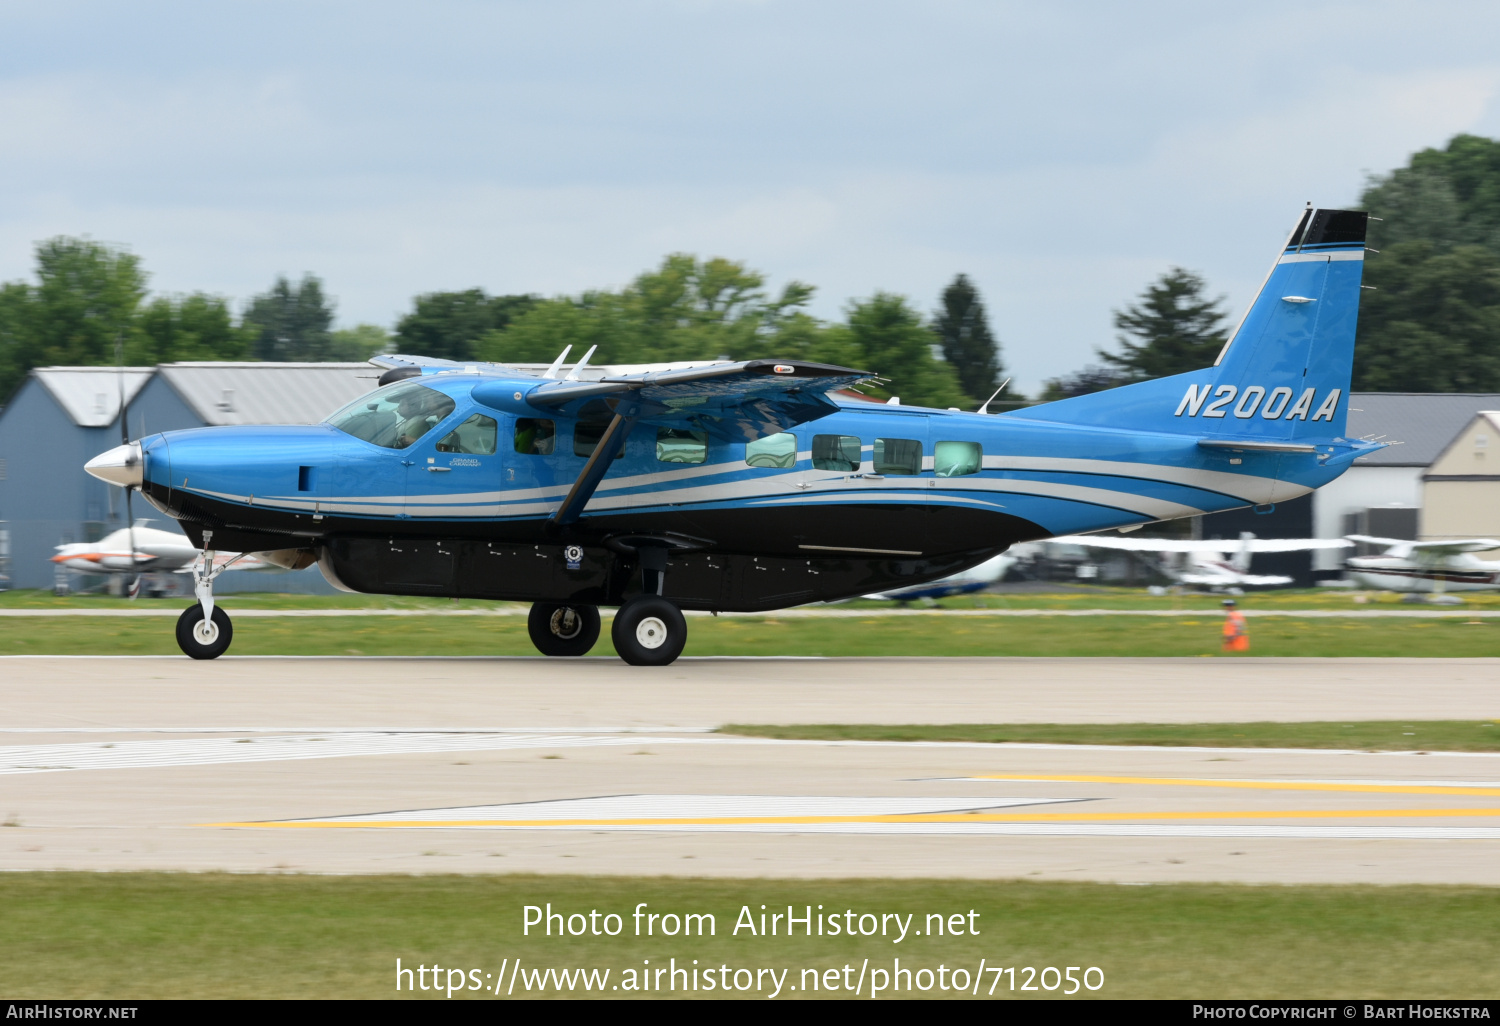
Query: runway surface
[[590, 766]]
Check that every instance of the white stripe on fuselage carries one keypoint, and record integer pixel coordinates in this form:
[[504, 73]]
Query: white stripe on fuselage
[[793, 484]]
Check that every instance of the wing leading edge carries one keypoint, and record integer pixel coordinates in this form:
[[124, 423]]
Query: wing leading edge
[[735, 402]]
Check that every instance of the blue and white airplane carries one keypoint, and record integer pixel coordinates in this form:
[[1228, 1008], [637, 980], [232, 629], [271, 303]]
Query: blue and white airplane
[[746, 486]]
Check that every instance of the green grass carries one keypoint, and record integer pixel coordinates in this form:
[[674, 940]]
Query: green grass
[[1091, 597], [120, 935], [1368, 735], [926, 636]]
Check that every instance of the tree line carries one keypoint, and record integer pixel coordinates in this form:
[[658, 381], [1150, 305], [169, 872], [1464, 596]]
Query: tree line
[[1432, 323], [89, 306]]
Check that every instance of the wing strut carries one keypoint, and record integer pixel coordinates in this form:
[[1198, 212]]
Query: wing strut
[[598, 464]]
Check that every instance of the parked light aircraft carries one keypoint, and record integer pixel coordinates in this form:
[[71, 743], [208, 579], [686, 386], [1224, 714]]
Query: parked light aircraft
[[746, 486], [1214, 563], [140, 549], [1430, 566], [976, 578]]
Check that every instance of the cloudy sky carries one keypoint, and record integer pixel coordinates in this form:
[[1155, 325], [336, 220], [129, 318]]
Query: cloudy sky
[[1061, 154]]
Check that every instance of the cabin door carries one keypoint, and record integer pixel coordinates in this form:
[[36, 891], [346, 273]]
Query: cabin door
[[455, 472]]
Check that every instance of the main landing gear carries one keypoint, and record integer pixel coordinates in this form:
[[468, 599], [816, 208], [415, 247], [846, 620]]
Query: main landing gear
[[203, 629], [648, 630], [563, 630]]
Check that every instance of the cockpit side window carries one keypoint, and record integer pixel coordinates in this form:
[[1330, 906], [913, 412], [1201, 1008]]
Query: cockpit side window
[[474, 437], [395, 416]]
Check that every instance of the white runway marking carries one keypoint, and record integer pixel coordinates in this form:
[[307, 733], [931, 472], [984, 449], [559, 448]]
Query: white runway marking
[[214, 751], [687, 813], [636, 807], [289, 743]]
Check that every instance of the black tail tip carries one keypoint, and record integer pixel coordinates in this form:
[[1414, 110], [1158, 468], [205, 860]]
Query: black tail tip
[[1319, 228]]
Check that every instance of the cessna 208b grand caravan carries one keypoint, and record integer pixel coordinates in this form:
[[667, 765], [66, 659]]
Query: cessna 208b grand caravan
[[745, 486]]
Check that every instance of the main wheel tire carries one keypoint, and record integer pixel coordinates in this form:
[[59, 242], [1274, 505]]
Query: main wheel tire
[[563, 630], [649, 631], [204, 639]]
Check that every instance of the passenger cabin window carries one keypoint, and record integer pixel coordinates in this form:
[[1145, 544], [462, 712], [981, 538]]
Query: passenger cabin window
[[835, 452], [593, 420], [956, 459], [535, 437], [395, 416], [475, 437], [778, 451], [674, 445], [897, 456]]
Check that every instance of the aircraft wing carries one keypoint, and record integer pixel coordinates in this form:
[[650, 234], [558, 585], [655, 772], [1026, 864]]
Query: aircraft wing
[[1432, 548], [1461, 545], [1099, 541], [1297, 544], [738, 401], [392, 361], [1233, 579]]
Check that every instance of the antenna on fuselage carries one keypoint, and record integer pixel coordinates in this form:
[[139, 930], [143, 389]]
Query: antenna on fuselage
[[572, 375], [557, 363], [986, 407]]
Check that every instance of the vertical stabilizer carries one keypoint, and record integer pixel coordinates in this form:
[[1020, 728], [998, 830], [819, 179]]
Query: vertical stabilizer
[[1283, 376]]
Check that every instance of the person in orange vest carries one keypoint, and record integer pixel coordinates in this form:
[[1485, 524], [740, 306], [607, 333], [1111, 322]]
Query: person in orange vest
[[1235, 637]]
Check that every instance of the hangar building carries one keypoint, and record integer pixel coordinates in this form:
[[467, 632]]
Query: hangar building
[[63, 416], [1461, 490]]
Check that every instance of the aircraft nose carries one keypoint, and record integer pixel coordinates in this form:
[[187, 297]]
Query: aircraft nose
[[121, 465]]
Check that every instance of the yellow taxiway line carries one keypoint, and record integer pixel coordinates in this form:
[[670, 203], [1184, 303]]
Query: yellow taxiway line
[[1257, 785], [944, 817]]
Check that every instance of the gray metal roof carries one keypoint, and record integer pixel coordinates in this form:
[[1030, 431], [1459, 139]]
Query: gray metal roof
[[91, 395], [268, 393], [1423, 422]]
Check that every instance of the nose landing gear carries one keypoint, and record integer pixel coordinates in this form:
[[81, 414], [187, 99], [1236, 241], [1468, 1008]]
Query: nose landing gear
[[204, 630]]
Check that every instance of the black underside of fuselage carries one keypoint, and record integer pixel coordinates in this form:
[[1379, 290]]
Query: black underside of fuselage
[[735, 559]]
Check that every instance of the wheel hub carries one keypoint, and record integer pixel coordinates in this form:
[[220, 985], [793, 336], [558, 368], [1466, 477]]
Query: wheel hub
[[651, 632], [205, 632], [566, 623]]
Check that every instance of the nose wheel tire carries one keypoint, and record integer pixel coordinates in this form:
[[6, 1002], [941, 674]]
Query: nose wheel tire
[[563, 630], [204, 639], [649, 631]]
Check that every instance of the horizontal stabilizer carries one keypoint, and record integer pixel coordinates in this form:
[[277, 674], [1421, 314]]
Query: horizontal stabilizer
[[1242, 444]]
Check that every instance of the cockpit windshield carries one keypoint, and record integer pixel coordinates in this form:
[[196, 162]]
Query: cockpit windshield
[[394, 416]]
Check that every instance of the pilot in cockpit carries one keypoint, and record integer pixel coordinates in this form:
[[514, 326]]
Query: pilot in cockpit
[[417, 417]]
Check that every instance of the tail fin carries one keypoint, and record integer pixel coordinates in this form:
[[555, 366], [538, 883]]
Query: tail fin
[[1282, 379]]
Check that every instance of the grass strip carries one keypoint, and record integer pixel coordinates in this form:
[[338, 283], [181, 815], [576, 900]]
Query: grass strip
[[131, 935], [1365, 735], [925, 636], [1097, 597]]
